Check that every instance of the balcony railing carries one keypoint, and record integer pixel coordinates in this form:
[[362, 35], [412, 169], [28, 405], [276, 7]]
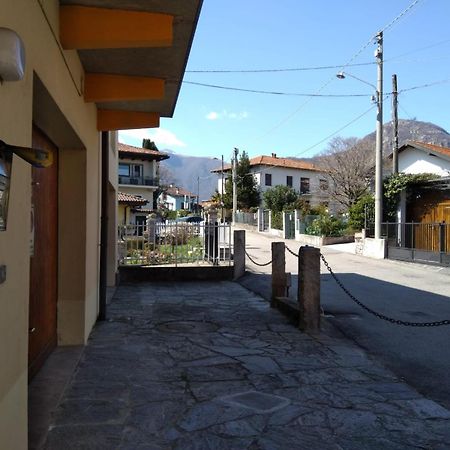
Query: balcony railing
[[139, 181]]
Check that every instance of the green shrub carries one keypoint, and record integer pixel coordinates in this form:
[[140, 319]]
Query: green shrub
[[277, 220], [358, 211], [326, 225]]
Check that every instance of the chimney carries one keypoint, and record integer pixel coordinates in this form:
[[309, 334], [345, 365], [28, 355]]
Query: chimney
[[274, 155]]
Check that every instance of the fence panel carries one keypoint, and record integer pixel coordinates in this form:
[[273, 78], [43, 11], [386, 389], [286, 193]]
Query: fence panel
[[160, 243]]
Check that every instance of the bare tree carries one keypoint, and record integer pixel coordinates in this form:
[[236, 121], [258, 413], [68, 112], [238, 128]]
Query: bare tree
[[349, 163]]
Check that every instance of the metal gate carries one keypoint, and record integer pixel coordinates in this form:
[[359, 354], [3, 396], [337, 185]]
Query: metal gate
[[418, 242], [289, 225]]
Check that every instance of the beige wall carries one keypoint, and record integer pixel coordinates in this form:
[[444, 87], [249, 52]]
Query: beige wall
[[71, 124]]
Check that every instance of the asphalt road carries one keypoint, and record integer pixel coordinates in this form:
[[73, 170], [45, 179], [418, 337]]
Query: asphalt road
[[410, 292]]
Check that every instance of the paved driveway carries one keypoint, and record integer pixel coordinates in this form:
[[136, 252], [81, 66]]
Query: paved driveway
[[211, 366], [410, 292]]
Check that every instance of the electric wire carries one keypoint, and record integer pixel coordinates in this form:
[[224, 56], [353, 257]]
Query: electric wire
[[255, 91]]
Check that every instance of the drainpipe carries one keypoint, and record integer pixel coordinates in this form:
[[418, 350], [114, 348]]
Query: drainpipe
[[104, 227]]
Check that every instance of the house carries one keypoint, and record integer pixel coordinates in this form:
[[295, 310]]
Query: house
[[128, 209], [420, 157], [310, 182], [423, 213], [70, 79], [176, 198], [139, 171]]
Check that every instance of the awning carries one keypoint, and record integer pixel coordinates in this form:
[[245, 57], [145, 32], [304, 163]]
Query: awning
[[134, 53]]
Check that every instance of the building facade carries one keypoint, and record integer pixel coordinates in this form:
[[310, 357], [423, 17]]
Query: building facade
[[138, 172], [175, 199], [66, 89], [312, 183]]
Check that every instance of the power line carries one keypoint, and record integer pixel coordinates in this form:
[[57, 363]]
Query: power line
[[287, 69], [233, 88], [323, 67], [255, 91]]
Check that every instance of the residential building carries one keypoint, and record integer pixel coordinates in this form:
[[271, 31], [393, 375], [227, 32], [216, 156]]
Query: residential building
[[139, 171], [128, 209], [420, 157], [176, 198], [310, 182], [70, 79]]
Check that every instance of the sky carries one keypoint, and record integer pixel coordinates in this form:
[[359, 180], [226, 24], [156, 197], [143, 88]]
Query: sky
[[254, 35]]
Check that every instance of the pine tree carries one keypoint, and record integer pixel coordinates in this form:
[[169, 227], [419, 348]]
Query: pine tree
[[247, 189], [149, 144]]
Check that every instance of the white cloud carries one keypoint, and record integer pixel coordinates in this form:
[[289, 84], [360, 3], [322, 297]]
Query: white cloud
[[161, 137], [213, 115]]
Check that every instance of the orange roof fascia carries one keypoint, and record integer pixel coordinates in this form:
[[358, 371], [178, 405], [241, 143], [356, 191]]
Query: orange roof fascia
[[100, 87], [109, 120], [83, 27]]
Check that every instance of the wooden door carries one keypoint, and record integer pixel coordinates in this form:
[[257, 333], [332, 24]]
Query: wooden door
[[44, 258]]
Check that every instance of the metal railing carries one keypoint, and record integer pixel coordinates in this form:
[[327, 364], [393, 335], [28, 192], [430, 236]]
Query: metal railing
[[173, 243], [247, 218], [433, 237], [138, 181]]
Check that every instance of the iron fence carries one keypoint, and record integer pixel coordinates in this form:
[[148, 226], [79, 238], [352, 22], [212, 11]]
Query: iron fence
[[163, 243], [247, 218], [428, 242]]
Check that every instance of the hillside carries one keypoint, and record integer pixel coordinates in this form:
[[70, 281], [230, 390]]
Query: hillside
[[412, 130], [185, 169]]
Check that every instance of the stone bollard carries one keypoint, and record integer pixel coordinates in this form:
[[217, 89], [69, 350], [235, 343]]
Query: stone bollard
[[239, 254], [278, 272], [309, 289]]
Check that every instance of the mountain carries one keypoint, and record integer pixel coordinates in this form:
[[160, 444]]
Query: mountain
[[411, 130], [184, 171]]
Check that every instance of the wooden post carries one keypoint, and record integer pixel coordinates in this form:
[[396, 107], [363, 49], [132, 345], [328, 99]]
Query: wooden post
[[309, 289], [278, 272], [239, 253]]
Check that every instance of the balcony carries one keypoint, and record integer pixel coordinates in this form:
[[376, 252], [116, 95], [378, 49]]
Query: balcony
[[139, 181]]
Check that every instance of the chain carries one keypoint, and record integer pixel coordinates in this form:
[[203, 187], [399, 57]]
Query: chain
[[376, 314], [291, 252], [254, 262]]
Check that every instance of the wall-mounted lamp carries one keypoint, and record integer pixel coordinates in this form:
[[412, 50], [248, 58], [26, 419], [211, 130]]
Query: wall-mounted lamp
[[36, 157], [12, 56]]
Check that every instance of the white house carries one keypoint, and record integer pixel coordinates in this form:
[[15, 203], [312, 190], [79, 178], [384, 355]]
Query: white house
[[176, 198], [419, 157], [310, 182], [139, 171]]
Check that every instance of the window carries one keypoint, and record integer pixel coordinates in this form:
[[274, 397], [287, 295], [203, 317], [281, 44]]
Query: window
[[137, 171], [124, 170], [268, 179], [289, 180], [304, 185], [323, 184]]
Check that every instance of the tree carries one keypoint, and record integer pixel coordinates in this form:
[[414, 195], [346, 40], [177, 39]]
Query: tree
[[280, 198], [149, 144], [349, 163], [247, 188]]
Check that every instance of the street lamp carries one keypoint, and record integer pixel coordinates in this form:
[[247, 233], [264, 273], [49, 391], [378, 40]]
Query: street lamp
[[379, 131]]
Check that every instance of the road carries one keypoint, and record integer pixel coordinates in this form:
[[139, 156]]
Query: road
[[410, 292]]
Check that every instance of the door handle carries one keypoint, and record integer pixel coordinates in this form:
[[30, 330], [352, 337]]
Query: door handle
[[32, 330]]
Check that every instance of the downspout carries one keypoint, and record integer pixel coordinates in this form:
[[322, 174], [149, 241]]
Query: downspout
[[104, 227]]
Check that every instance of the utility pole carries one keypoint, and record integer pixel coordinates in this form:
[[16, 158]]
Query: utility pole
[[379, 139], [221, 192], [394, 124], [198, 194], [236, 152]]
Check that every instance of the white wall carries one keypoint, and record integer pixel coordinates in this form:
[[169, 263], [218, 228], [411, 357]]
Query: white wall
[[279, 177], [412, 160]]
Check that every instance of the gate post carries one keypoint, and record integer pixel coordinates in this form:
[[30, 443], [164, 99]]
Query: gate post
[[278, 272], [309, 289], [239, 253]]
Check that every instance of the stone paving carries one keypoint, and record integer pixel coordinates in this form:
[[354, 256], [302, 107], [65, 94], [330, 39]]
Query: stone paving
[[211, 366]]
